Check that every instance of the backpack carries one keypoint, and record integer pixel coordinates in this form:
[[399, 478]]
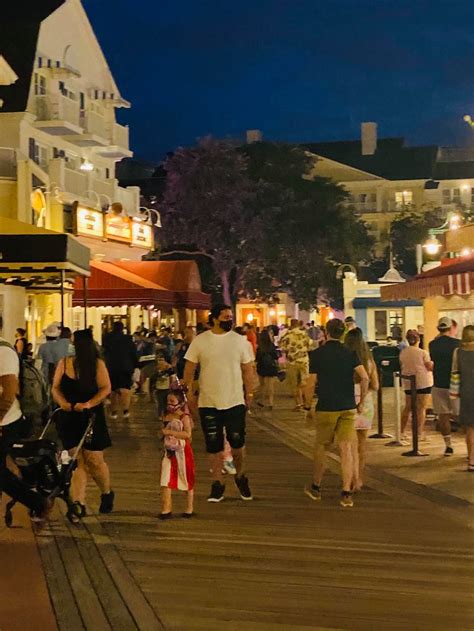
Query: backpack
[[33, 396]]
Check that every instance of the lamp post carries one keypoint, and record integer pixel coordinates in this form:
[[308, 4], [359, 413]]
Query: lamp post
[[148, 212], [432, 245]]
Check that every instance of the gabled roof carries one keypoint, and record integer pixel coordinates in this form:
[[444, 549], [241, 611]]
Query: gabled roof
[[19, 27], [391, 160]]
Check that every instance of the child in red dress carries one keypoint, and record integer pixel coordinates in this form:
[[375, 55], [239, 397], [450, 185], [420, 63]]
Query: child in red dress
[[177, 468]]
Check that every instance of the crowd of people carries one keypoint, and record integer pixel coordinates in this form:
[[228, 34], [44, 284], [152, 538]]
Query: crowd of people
[[209, 375]]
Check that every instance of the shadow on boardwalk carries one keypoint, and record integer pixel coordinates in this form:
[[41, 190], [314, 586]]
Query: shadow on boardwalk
[[281, 562]]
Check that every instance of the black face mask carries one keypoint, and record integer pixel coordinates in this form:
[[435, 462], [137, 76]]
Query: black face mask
[[226, 325]]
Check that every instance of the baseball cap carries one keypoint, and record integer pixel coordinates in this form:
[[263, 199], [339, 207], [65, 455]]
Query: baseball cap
[[445, 323]]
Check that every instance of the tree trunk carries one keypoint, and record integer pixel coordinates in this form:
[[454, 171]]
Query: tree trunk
[[225, 280]]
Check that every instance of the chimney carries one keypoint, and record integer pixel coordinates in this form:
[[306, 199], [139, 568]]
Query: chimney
[[253, 135], [369, 138]]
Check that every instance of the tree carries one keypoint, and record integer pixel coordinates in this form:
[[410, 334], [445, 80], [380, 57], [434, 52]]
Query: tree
[[261, 218], [310, 230], [208, 204], [407, 230]]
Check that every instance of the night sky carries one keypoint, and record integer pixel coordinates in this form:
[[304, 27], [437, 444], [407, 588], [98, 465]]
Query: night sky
[[299, 70]]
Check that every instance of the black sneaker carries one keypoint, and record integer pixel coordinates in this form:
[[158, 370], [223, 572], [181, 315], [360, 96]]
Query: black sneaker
[[217, 492], [448, 451], [107, 502], [165, 516], [243, 486]]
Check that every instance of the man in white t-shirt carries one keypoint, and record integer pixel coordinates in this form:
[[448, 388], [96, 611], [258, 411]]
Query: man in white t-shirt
[[12, 429], [226, 364]]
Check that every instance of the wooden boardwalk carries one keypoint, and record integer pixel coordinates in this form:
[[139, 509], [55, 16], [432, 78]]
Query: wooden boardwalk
[[281, 562]]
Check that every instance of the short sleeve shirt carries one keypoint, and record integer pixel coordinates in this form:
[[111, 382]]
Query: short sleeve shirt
[[334, 365], [441, 351], [296, 343], [220, 358], [413, 362], [10, 365]]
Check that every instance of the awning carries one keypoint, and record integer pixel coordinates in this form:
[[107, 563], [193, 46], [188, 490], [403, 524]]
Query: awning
[[453, 277], [180, 277], [370, 303], [38, 258], [110, 285]]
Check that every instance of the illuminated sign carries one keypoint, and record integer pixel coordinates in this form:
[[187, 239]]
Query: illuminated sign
[[118, 228], [89, 222], [142, 235]]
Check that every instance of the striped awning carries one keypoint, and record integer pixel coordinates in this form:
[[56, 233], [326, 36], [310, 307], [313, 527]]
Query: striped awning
[[455, 277]]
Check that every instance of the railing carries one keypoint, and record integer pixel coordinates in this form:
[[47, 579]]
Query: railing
[[119, 135], [104, 187], [94, 123], [59, 107], [129, 198], [75, 182], [364, 207], [7, 162]]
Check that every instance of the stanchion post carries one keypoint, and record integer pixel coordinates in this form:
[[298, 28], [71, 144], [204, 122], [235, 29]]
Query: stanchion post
[[380, 433], [398, 412], [414, 419]]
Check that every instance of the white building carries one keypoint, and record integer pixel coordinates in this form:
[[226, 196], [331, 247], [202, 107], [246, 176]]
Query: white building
[[59, 144]]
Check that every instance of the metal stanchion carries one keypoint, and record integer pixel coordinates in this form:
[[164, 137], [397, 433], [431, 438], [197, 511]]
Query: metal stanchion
[[398, 412], [380, 433], [414, 419]]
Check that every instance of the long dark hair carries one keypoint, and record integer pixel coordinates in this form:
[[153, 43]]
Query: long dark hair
[[85, 360], [354, 341], [265, 344]]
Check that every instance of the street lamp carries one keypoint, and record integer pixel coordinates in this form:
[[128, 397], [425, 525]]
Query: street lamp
[[432, 245], [148, 212]]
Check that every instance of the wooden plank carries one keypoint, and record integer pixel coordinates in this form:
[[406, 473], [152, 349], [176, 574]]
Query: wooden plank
[[67, 613]]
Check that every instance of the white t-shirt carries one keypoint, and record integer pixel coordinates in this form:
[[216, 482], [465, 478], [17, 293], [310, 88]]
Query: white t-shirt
[[413, 362], [9, 365], [220, 357]]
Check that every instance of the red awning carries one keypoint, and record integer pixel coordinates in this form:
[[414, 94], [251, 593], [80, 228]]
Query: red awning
[[113, 284], [181, 277], [452, 277]]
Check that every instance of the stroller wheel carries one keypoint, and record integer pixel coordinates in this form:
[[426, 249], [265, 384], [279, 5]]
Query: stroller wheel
[[8, 519], [75, 512]]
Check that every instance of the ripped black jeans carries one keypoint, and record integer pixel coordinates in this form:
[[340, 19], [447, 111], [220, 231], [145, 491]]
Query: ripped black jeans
[[214, 421]]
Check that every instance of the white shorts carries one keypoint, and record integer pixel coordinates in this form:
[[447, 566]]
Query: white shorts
[[442, 402]]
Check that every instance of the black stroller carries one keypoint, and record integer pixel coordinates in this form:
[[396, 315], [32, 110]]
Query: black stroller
[[45, 468]]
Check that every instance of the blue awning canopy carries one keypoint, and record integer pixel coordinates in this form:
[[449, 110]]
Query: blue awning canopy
[[371, 303]]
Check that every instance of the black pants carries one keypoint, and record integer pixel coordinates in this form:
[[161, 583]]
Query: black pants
[[9, 482]]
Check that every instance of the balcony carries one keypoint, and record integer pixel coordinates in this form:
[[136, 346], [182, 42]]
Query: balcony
[[118, 148], [95, 131], [364, 207], [75, 183], [57, 115], [7, 163]]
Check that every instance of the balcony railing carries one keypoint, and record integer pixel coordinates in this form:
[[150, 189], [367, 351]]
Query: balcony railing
[[75, 182], [119, 135], [129, 198], [364, 207], [7, 162], [58, 107], [94, 123], [104, 187]]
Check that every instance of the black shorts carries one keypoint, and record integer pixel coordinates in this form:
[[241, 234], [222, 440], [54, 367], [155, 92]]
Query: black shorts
[[420, 391], [214, 421], [120, 380]]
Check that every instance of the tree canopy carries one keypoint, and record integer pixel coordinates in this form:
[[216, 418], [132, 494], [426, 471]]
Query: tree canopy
[[262, 218]]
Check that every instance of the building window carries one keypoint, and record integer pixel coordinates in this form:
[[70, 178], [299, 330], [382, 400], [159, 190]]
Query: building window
[[40, 84], [380, 325], [456, 195], [472, 195], [33, 150], [42, 157], [403, 198], [446, 195], [107, 174]]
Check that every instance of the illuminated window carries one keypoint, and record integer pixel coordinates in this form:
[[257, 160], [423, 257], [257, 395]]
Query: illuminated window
[[403, 198]]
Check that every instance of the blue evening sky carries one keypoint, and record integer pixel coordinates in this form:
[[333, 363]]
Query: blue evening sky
[[299, 70]]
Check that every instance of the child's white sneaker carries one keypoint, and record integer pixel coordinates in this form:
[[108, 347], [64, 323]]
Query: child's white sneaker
[[229, 467]]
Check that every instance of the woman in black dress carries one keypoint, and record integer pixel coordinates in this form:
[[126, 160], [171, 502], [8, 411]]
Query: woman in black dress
[[81, 383], [267, 368]]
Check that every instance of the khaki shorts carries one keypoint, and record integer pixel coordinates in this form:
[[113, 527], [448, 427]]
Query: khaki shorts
[[335, 426], [442, 402], [297, 375]]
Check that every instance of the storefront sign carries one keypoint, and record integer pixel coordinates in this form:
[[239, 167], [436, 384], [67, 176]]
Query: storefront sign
[[142, 235], [89, 222], [118, 228]]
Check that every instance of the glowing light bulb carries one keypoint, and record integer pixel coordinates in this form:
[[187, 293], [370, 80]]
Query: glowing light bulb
[[432, 246]]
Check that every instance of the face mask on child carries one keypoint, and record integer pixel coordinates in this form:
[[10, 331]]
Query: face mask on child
[[174, 407]]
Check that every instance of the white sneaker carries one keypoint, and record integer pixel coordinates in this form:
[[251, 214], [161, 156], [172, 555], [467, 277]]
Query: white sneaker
[[229, 467]]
